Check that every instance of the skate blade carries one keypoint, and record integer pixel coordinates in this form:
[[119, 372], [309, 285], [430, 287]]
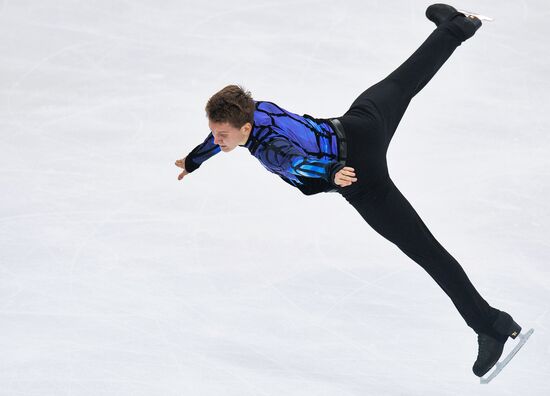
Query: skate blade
[[500, 365], [478, 16]]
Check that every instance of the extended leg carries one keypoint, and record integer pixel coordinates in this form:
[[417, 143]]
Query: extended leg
[[389, 213], [390, 97]]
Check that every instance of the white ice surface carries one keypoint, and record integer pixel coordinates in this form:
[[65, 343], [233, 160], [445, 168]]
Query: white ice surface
[[118, 279]]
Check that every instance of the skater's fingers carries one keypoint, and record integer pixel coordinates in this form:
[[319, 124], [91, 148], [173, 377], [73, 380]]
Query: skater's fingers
[[345, 176], [181, 163], [348, 178], [344, 171], [181, 175], [345, 181], [347, 170]]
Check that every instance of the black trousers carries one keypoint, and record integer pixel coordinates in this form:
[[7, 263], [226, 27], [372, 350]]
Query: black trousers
[[369, 126]]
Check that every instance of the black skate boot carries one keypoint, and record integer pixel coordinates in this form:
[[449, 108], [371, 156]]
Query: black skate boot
[[490, 346], [439, 13]]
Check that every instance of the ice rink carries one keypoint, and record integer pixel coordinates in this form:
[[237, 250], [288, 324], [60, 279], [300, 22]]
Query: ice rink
[[118, 279]]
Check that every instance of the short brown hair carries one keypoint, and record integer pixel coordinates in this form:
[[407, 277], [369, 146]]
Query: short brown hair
[[233, 105]]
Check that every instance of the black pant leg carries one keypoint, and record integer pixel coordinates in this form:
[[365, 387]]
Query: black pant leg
[[390, 214], [391, 96], [369, 125]]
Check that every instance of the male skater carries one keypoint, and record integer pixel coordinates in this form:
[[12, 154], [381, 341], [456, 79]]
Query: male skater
[[323, 155]]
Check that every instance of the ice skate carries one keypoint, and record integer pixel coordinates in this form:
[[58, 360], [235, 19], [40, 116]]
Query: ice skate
[[489, 351], [438, 13], [467, 22], [490, 347], [500, 365], [475, 15]]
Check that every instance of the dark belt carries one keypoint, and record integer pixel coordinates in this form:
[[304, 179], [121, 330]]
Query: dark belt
[[342, 142]]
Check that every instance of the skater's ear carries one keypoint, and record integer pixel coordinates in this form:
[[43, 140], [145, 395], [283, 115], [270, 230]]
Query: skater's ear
[[247, 127]]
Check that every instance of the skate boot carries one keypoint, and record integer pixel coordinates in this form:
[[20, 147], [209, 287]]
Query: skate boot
[[490, 346], [466, 24], [438, 13]]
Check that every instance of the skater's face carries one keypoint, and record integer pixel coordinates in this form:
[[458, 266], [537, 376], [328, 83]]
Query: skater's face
[[227, 136]]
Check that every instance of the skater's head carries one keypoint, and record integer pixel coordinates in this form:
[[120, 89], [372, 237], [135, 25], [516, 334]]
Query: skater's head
[[230, 115]]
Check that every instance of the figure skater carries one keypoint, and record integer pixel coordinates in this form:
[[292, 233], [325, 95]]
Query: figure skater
[[347, 155]]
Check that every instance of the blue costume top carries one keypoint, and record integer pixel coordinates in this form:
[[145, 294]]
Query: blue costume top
[[302, 150]]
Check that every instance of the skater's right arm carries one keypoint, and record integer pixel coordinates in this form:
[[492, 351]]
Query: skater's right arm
[[181, 164], [197, 156]]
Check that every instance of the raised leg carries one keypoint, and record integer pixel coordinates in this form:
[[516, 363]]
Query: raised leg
[[390, 97]]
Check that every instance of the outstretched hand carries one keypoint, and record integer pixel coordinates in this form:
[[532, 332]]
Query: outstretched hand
[[181, 164], [345, 176]]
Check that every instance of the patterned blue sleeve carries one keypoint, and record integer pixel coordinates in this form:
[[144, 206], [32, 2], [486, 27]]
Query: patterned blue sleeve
[[201, 153], [283, 157]]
